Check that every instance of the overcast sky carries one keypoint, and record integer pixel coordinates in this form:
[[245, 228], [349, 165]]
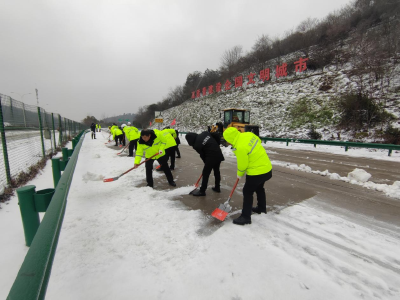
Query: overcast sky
[[107, 57]]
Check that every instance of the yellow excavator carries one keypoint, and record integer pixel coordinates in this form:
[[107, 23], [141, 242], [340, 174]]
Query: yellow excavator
[[235, 117]]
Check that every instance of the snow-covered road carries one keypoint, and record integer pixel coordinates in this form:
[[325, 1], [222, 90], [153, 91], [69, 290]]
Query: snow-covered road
[[121, 240]]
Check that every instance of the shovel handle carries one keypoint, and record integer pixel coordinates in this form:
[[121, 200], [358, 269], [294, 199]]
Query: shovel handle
[[234, 187], [116, 178], [198, 180]]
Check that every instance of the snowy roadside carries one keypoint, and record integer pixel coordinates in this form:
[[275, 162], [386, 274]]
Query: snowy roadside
[[13, 249], [120, 241]]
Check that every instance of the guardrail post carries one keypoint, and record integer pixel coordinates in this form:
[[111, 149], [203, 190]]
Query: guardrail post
[[55, 164], [65, 154], [60, 139], [4, 144], [41, 131], [390, 152], [287, 142], [30, 217], [54, 132]]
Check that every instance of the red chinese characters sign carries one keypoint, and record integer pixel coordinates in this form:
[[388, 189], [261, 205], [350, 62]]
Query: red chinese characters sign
[[265, 75]]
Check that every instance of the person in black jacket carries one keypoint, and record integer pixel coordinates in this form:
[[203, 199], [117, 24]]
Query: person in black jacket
[[178, 141], [93, 128], [211, 154]]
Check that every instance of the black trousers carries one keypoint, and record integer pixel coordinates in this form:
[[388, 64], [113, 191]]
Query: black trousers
[[254, 184], [163, 161], [119, 138], [211, 164], [178, 153], [170, 152], [132, 145], [93, 134]]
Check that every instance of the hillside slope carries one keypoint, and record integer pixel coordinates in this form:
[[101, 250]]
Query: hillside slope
[[286, 107]]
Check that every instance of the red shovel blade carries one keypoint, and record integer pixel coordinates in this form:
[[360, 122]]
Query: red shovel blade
[[219, 214], [110, 179], [120, 146]]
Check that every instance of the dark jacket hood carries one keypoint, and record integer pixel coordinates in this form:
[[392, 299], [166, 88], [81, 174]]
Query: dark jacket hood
[[191, 138], [150, 141]]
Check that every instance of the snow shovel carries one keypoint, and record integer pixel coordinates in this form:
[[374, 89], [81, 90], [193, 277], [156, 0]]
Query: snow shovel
[[196, 185], [222, 211], [116, 178], [123, 149]]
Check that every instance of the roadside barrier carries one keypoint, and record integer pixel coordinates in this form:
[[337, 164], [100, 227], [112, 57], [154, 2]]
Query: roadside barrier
[[34, 274], [346, 145]]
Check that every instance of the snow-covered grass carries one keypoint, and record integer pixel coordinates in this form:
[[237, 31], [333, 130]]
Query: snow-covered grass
[[120, 241]]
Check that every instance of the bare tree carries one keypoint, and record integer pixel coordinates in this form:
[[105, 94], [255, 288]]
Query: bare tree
[[231, 57], [261, 51]]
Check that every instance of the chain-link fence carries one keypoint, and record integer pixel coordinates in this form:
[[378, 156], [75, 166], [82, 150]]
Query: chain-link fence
[[29, 135]]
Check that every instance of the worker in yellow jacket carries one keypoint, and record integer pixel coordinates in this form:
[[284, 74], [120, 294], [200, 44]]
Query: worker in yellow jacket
[[117, 134], [133, 135], [253, 160], [152, 142], [171, 151]]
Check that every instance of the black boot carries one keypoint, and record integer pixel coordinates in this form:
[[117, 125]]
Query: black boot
[[172, 183], [178, 156], [241, 221], [198, 193], [258, 210], [216, 189]]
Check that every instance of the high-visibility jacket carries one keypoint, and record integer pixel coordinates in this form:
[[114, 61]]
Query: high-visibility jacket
[[170, 139], [131, 132], [97, 126], [251, 155], [158, 142], [115, 131], [171, 131]]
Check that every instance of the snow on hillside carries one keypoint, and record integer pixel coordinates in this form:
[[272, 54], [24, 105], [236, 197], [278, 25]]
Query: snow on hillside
[[271, 102]]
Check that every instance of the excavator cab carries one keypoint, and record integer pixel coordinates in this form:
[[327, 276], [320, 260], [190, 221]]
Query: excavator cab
[[234, 117]]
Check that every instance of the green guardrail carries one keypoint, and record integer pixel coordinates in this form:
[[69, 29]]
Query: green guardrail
[[33, 276], [347, 145]]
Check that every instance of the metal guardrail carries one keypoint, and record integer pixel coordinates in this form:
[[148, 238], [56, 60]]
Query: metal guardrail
[[34, 274], [347, 145]]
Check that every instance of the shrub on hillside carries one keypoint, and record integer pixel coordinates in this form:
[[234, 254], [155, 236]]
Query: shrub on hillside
[[313, 134], [359, 111], [305, 111], [392, 135]]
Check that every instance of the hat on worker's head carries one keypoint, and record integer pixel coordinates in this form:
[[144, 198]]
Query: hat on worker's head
[[129, 123], [123, 125]]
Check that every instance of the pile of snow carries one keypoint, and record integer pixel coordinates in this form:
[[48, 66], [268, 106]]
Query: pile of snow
[[359, 175], [88, 176]]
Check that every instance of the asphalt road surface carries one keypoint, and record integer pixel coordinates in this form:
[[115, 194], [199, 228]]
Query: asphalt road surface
[[289, 187]]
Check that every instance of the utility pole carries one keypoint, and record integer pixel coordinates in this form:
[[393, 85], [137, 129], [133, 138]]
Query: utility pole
[[37, 96]]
